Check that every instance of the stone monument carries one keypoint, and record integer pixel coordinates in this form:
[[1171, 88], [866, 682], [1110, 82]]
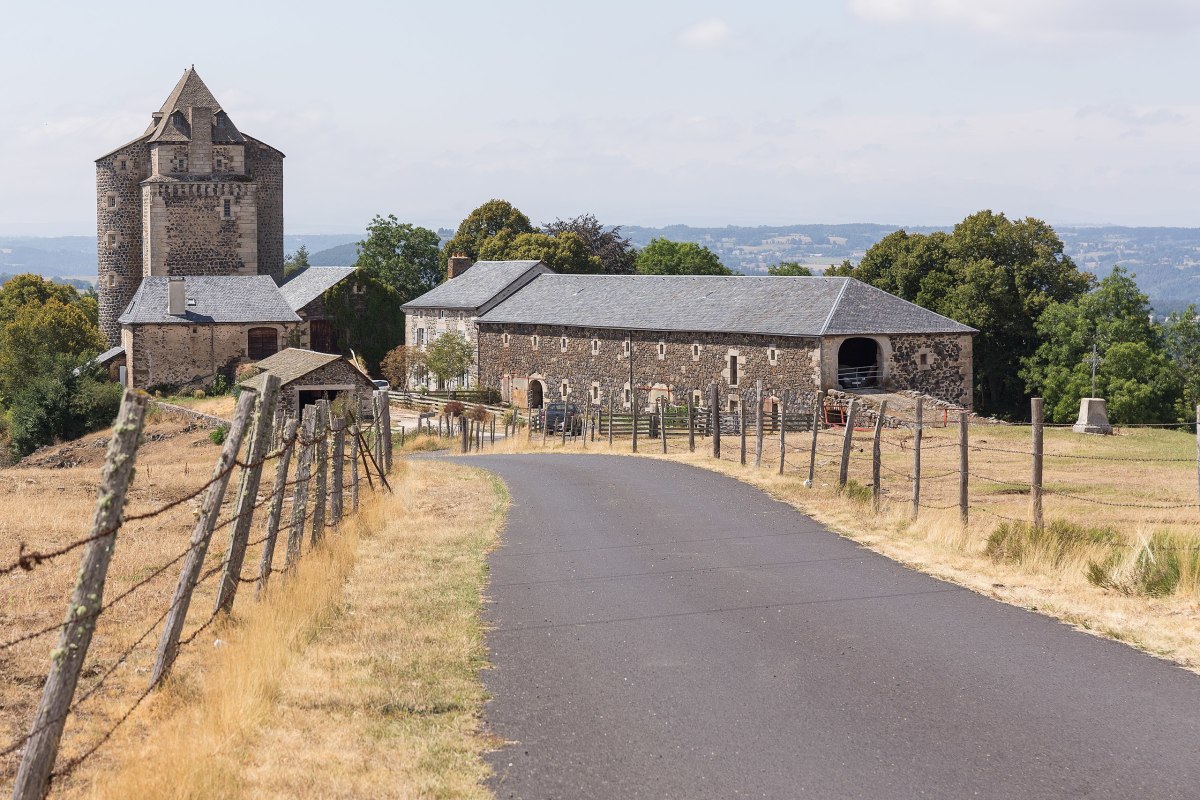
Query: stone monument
[[1093, 416]]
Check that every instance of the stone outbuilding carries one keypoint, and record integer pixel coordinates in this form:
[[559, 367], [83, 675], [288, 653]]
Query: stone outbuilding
[[306, 376], [455, 305], [669, 335], [305, 293], [179, 332]]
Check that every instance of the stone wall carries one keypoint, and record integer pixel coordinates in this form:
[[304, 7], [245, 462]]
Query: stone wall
[[593, 363], [180, 355], [336, 376], [265, 165], [939, 365], [119, 232], [186, 230]]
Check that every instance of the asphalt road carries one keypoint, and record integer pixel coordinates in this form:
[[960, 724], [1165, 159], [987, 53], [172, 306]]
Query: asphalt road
[[660, 631]]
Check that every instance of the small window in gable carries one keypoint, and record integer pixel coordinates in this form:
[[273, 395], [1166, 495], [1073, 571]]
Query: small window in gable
[[124, 165], [662, 350]]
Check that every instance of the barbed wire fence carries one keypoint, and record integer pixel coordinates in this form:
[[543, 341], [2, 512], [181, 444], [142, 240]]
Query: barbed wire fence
[[321, 446]]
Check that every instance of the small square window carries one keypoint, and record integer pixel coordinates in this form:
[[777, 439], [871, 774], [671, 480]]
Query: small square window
[[124, 165], [112, 201]]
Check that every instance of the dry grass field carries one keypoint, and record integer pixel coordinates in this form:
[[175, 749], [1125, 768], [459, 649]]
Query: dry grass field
[[1120, 555], [373, 648]]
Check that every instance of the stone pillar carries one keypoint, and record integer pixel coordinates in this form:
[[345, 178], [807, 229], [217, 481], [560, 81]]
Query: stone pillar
[[1093, 416]]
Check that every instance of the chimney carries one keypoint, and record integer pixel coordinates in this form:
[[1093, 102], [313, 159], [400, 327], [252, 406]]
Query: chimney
[[176, 297], [457, 265], [200, 145]]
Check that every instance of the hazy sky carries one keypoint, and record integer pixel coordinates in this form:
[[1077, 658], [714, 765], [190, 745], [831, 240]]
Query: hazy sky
[[651, 112]]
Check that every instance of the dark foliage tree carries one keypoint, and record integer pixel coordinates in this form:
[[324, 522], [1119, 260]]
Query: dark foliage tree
[[613, 252], [566, 253]]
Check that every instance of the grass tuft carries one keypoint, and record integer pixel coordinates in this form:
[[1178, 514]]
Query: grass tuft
[[1054, 545]]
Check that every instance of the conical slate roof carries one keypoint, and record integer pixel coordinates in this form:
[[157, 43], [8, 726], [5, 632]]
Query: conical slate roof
[[174, 122]]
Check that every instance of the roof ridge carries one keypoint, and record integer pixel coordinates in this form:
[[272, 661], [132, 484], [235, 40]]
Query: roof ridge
[[837, 301]]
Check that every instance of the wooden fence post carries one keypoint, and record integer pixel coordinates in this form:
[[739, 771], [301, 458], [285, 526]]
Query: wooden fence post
[[758, 424], [742, 426], [378, 401], [877, 458], [691, 421], [168, 644], [918, 433], [338, 426], [247, 499], [466, 434], [818, 406], [492, 430], [610, 419], [783, 404], [633, 407], [713, 400], [1035, 478], [964, 421], [566, 420], [33, 776], [322, 476], [847, 443], [273, 516], [300, 494], [354, 459], [386, 404], [662, 424]]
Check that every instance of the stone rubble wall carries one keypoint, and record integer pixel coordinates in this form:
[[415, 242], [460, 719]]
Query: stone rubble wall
[[180, 355], [119, 216]]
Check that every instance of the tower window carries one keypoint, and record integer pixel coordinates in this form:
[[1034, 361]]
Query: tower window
[[112, 240], [124, 165], [227, 208], [112, 201]]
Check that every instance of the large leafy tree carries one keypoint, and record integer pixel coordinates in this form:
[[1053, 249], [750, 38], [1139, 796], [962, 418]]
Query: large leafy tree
[[566, 253], [992, 273], [41, 327], [490, 219], [666, 257], [789, 269], [1133, 373], [613, 254], [1181, 334], [401, 256]]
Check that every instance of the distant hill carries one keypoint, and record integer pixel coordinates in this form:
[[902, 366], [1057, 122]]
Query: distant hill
[[56, 256], [344, 255], [318, 242]]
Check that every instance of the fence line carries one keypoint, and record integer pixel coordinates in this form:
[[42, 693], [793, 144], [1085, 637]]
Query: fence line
[[254, 416]]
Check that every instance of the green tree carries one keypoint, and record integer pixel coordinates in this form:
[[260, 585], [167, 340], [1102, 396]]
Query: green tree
[[1134, 374], [614, 253], [59, 403], [566, 253], [789, 269], [1181, 334], [991, 273], [401, 256], [39, 333], [487, 221], [401, 364], [32, 290], [665, 257], [295, 262], [448, 356]]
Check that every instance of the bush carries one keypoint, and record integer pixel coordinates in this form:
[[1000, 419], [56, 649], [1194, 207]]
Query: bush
[[1156, 569], [858, 492], [217, 435], [453, 409], [59, 405], [479, 413], [220, 385], [1022, 543], [199, 394]]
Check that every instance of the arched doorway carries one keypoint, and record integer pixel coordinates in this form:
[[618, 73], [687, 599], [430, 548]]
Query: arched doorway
[[858, 363], [535, 393]]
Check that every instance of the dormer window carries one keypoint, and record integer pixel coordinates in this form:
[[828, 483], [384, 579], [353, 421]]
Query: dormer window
[[220, 164]]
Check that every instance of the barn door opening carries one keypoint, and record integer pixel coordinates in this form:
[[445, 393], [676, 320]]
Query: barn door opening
[[858, 363], [535, 394]]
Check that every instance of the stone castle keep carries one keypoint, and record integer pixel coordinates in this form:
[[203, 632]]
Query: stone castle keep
[[191, 196]]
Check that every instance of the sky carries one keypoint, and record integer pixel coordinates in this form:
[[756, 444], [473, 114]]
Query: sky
[[657, 112]]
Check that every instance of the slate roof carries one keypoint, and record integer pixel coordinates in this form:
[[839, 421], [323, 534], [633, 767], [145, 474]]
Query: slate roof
[[311, 282], [475, 288], [289, 365], [175, 123], [777, 306], [227, 298]]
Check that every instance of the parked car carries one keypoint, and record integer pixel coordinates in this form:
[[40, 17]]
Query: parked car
[[553, 417], [387, 387]]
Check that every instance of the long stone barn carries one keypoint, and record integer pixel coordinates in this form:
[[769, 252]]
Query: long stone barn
[[590, 335]]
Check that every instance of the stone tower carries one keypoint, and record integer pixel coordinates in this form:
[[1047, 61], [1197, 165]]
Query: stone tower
[[192, 195]]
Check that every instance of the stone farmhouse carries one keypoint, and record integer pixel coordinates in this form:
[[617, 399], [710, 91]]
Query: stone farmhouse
[[189, 224], [456, 305], [589, 335]]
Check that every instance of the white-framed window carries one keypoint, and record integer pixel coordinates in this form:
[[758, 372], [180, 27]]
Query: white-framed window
[[695, 351], [562, 344], [441, 313], [595, 346], [627, 346], [595, 391], [112, 200], [733, 369], [112, 241], [506, 339], [536, 341], [773, 355], [662, 351]]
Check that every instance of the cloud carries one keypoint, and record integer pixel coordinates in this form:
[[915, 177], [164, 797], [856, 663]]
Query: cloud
[[1039, 20], [705, 34]]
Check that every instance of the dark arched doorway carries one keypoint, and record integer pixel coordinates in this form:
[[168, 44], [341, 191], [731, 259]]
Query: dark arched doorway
[[858, 363], [535, 394]]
